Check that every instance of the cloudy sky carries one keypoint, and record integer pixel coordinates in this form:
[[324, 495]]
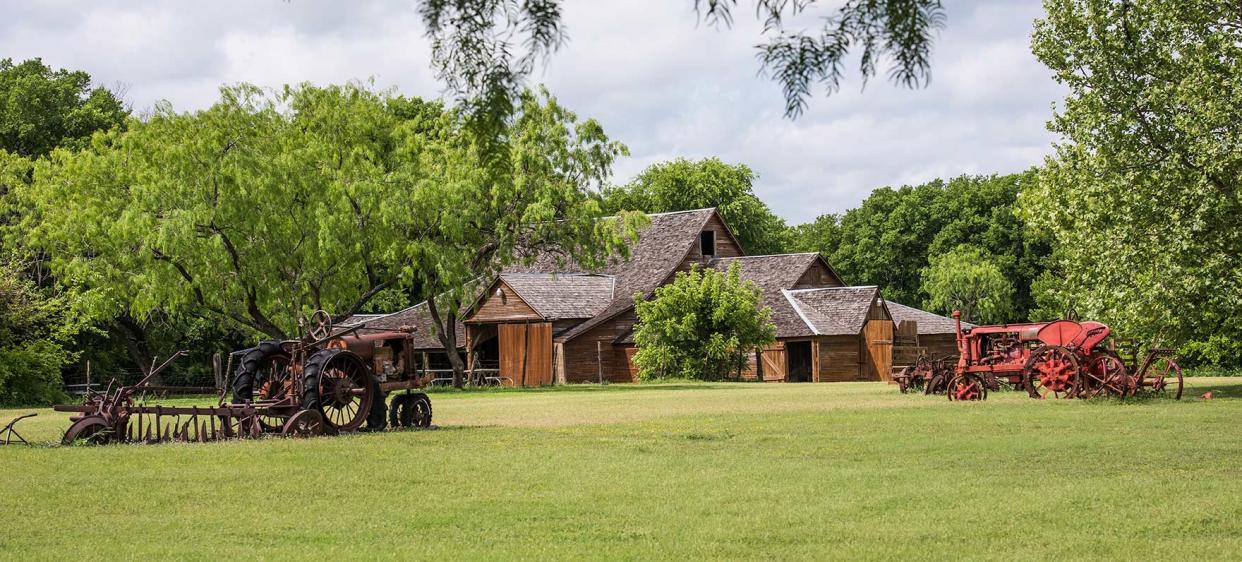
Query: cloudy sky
[[657, 80]]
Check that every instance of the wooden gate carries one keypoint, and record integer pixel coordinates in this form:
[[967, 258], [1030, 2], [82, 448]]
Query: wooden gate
[[772, 362], [878, 360], [526, 353]]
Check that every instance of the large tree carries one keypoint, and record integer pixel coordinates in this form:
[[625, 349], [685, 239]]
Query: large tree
[[483, 49], [681, 185], [703, 325], [42, 109], [271, 204], [1143, 192], [892, 237], [966, 279]]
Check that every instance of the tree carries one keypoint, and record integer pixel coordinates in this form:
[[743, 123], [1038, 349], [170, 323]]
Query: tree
[[889, 239], [681, 185], [484, 49], [966, 279], [703, 325], [33, 329], [41, 109], [269, 205], [1142, 193]]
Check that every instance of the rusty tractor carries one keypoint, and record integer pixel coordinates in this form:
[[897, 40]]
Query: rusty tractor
[[326, 382], [1060, 359]]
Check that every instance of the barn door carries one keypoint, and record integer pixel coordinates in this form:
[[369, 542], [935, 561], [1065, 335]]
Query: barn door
[[526, 353], [878, 339], [772, 360]]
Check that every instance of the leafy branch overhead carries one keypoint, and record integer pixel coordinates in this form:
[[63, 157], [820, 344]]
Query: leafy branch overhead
[[484, 49]]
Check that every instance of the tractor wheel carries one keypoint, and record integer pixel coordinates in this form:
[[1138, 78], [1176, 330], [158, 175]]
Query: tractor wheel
[[1106, 375], [1053, 371], [90, 430], [410, 410], [264, 368], [966, 387], [338, 384], [1163, 375]]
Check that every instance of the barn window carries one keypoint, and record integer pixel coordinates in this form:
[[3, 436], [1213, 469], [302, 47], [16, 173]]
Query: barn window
[[707, 243]]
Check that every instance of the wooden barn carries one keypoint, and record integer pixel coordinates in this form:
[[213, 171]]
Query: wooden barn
[[551, 322]]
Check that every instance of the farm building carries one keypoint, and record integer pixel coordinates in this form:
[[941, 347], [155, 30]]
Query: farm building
[[550, 322]]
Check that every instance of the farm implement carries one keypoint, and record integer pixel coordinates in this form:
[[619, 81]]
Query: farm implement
[[326, 382], [1060, 359]]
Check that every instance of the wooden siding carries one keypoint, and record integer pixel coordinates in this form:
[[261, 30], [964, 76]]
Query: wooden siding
[[817, 276], [839, 358], [506, 306], [878, 359], [726, 245], [939, 345], [592, 354], [526, 353]]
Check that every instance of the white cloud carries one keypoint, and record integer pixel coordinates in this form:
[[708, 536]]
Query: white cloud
[[659, 80]]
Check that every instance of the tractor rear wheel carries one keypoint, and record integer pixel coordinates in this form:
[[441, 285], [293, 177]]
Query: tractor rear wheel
[[338, 384], [1053, 371]]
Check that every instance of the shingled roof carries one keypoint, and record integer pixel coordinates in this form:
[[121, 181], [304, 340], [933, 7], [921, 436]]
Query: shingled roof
[[774, 274], [558, 296], [835, 311], [927, 322], [660, 248]]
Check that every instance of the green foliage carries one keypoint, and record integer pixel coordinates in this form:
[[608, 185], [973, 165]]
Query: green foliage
[[890, 239], [703, 326], [1142, 194], [41, 109], [34, 326], [682, 185], [966, 279], [270, 204], [484, 49]]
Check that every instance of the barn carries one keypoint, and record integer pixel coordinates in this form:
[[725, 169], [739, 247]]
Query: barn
[[551, 322]]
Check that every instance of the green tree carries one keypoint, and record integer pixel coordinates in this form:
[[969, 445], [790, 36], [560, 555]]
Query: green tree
[[1142, 193], [269, 205], [703, 325], [681, 185], [967, 279], [890, 239], [483, 49], [34, 327], [41, 108]]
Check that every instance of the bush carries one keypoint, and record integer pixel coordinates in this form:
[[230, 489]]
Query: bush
[[701, 326]]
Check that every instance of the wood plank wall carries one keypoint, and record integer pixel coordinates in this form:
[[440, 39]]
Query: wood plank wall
[[878, 364], [526, 348], [505, 307], [839, 358]]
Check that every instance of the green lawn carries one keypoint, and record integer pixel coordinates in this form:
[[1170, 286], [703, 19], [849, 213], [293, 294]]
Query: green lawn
[[849, 470]]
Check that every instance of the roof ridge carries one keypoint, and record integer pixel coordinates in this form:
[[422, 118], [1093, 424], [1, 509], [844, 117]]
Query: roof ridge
[[834, 288], [769, 256], [797, 308]]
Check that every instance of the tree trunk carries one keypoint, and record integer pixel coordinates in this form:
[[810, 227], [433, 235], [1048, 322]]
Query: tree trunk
[[134, 337], [447, 334]]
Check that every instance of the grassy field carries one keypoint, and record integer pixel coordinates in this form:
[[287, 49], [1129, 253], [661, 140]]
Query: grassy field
[[664, 472]]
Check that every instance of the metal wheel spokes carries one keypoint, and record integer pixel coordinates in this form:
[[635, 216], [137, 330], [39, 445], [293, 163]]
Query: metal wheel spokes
[[966, 388], [1106, 376], [345, 392], [1052, 371], [90, 430], [307, 423], [273, 383], [1163, 375], [320, 325]]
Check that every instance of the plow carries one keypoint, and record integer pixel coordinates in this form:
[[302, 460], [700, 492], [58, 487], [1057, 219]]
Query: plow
[[325, 382], [1059, 359]]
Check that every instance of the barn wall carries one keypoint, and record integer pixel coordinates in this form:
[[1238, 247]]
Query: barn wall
[[582, 361], [507, 307], [817, 277], [878, 362], [939, 345], [726, 246], [526, 347], [839, 358]]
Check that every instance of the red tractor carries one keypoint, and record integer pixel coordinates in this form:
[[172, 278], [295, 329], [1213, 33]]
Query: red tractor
[[1060, 359]]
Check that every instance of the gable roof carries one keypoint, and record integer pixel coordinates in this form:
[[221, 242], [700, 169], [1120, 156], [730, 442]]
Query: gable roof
[[834, 311], [928, 323], [772, 275], [556, 296], [660, 249]]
